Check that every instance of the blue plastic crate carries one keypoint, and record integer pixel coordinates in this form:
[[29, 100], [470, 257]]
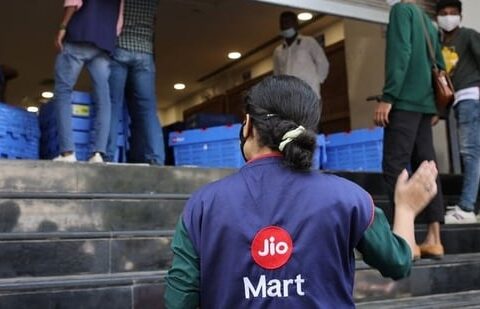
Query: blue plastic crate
[[19, 133], [320, 155], [18, 147], [81, 97], [359, 150], [212, 147], [18, 121], [83, 115]]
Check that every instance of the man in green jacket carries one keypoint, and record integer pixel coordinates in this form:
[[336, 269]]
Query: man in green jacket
[[461, 51], [407, 109]]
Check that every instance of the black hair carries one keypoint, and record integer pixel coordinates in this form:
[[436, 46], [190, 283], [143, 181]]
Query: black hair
[[441, 4], [288, 14], [282, 103]]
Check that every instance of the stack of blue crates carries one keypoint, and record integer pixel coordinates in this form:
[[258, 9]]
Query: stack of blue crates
[[212, 147], [19, 133], [220, 147], [359, 150], [83, 115]]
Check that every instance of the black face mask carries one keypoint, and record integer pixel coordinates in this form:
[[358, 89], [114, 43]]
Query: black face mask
[[242, 142]]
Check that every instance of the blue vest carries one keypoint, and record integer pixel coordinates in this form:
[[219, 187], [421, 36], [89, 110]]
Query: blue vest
[[95, 23], [268, 237]]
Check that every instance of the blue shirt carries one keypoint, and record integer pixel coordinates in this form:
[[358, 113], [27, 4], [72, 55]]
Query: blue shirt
[[95, 23], [270, 237]]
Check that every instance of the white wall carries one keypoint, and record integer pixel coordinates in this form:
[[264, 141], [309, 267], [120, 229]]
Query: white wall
[[365, 57], [471, 14]]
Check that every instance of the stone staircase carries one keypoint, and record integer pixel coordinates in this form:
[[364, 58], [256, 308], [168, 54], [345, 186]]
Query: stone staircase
[[85, 236]]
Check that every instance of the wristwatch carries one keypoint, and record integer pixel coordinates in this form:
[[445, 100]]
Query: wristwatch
[[62, 27]]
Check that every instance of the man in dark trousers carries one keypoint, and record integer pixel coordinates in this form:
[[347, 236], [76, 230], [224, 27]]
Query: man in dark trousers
[[461, 51], [407, 110]]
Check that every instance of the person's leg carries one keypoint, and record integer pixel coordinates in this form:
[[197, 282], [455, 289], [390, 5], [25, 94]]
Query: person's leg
[[433, 214], [118, 77], [398, 143], [68, 66], [468, 121], [136, 141], [99, 69], [144, 109]]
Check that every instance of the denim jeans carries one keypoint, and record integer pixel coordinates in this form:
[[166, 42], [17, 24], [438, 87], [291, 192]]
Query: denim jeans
[[467, 114], [69, 64], [133, 76]]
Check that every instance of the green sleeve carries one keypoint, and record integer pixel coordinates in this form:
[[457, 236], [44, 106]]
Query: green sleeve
[[183, 279], [384, 250], [398, 53]]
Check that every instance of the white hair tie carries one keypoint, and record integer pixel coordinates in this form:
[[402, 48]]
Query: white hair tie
[[290, 136]]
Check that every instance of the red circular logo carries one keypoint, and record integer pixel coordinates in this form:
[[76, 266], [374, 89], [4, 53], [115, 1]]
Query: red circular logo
[[272, 247]]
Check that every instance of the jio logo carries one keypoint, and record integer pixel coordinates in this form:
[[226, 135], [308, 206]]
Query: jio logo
[[272, 247]]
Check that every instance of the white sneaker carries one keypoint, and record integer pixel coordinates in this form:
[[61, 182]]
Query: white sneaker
[[456, 215], [69, 158], [96, 158]]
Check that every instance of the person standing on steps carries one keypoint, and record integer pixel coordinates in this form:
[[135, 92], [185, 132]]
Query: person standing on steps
[[461, 51], [407, 110], [133, 74], [86, 37], [299, 55]]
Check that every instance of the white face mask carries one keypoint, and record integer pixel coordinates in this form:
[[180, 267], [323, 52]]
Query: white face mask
[[449, 22], [393, 2], [289, 33]]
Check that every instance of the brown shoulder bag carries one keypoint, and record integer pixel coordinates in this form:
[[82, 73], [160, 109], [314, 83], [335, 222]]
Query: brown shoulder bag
[[442, 85]]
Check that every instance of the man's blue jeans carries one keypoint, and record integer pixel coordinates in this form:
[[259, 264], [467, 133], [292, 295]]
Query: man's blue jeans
[[69, 64], [467, 114], [133, 74]]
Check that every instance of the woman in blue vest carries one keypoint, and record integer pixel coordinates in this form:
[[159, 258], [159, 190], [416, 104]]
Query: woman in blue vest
[[277, 234]]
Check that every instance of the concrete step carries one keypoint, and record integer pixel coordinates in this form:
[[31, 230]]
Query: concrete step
[[90, 213], [469, 300], [48, 176], [139, 290], [71, 253], [95, 255], [456, 238], [144, 290], [454, 273], [26, 217], [98, 236]]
